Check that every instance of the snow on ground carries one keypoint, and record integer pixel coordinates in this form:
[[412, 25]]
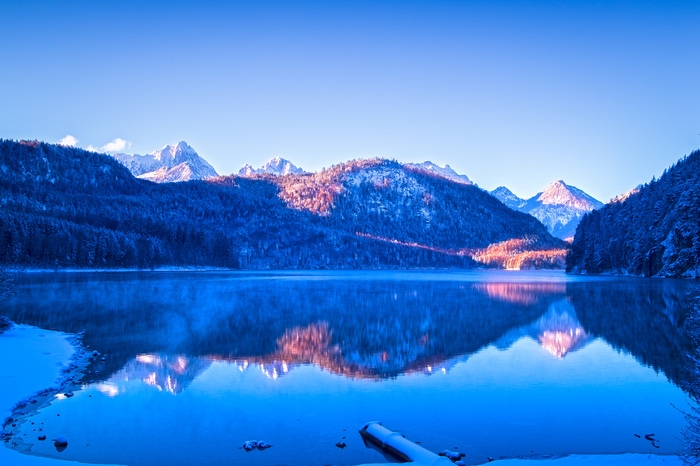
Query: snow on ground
[[629, 459], [31, 360]]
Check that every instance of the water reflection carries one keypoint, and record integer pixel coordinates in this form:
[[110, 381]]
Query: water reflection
[[167, 373], [459, 360], [558, 331], [359, 328]]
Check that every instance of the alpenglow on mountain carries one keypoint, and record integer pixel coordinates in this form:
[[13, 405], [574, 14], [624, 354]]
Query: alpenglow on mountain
[[179, 162], [277, 166], [560, 207]]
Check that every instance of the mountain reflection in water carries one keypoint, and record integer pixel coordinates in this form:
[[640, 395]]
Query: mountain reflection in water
[[358, 328], [166, 373], [558, 332], [303, 344]]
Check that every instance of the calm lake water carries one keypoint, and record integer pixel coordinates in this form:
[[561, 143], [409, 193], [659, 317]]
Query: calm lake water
[[494, 364]]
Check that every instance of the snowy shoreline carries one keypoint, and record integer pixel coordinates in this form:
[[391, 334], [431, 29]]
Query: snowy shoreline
[[35, 365]]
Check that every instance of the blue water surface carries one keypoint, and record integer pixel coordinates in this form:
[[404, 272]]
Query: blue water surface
[[493, 364]]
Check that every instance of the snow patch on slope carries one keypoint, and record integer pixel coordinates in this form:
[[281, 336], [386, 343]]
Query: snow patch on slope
[[400, 182]]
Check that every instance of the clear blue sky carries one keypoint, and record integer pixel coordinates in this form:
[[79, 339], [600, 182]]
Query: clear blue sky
[[604, 94]]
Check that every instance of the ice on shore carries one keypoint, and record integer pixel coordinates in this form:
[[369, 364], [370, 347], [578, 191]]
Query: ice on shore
[[31, 360], [628, 459]]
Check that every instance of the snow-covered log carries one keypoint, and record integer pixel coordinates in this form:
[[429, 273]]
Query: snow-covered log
[[399, 447]]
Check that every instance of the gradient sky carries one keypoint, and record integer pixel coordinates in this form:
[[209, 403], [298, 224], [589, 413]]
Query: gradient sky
[[603, 95]]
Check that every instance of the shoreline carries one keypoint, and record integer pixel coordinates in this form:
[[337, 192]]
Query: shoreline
[[19, 271], [35, 366], [16, 270]]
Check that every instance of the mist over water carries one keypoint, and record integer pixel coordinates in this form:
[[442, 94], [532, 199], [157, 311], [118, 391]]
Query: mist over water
[[492, 363]]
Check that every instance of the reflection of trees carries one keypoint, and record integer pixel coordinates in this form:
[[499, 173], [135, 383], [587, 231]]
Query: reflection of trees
[[362, 328], [639, 316], [690, 453]]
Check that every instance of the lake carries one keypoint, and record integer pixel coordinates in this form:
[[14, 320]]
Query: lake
[[492, 363]]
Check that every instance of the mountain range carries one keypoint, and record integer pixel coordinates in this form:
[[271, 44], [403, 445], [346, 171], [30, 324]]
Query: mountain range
[[560, 207], [67, 207], [178, 162]]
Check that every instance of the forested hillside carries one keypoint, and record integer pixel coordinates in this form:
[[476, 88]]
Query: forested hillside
[[383, 198], [66, 207], [655, 231]]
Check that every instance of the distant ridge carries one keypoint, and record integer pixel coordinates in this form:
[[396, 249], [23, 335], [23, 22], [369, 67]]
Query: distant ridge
[[172, 163], [445, 172], [276, 166]]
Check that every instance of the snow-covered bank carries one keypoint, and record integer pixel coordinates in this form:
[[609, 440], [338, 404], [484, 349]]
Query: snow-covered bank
[[31, 361], [628, 459]]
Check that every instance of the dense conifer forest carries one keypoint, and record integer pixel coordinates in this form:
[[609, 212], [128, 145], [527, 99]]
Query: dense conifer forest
[[654, 231]]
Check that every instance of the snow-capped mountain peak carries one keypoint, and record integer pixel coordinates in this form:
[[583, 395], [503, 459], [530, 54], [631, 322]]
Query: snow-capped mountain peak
[[559, 206], [178, 162], [559, 193], [277, 166], [178, 151], [445, 172]]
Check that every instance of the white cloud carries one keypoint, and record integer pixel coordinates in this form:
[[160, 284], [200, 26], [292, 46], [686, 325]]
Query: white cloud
[[68, 140], [115, 146]]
